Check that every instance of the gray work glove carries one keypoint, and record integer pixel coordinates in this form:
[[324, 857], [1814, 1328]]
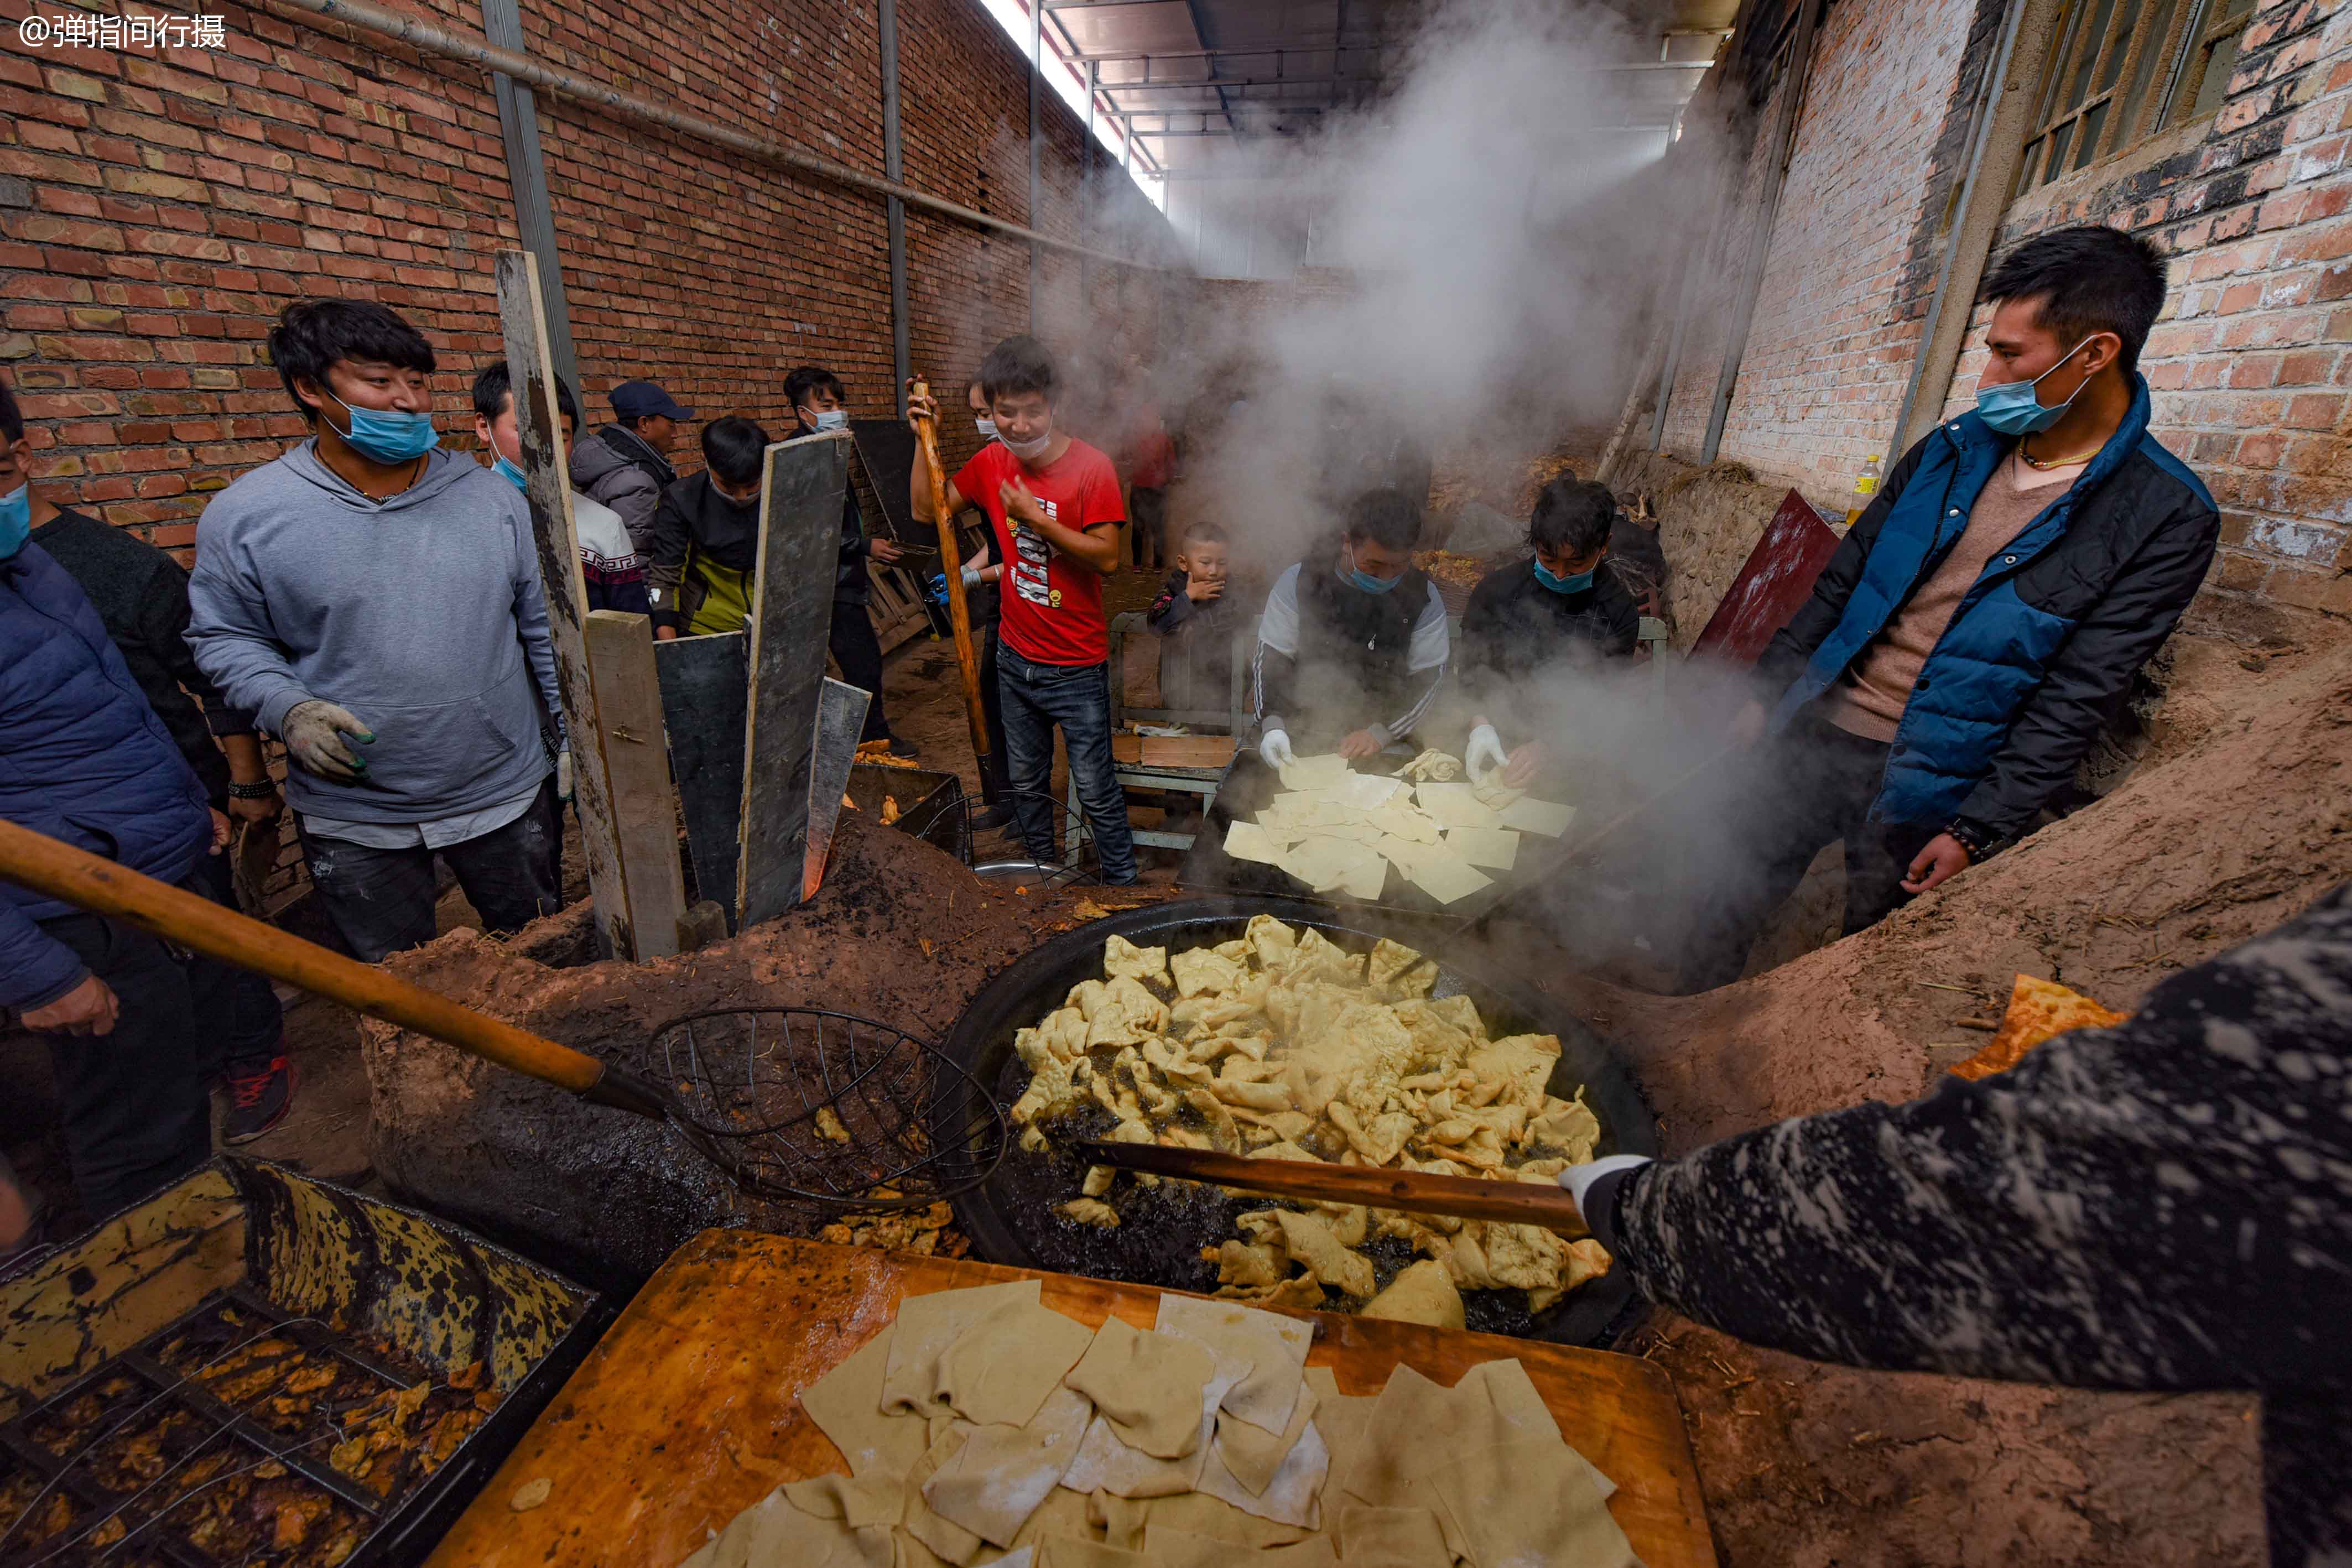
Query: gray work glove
[[314, 737], [563, 775]]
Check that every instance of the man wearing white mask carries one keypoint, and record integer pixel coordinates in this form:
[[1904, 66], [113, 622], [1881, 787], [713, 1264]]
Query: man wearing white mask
[[820, 403], [1984, 615], [1054, 505]]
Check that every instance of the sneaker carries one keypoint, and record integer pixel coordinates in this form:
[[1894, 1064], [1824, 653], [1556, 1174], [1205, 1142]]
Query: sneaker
[[900, 747], [258, 1099]]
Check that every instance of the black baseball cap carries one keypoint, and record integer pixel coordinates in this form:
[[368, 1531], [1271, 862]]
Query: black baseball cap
[[636, 400]]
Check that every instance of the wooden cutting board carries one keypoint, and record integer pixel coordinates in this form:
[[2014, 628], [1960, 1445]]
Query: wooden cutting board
[[686, 1412]]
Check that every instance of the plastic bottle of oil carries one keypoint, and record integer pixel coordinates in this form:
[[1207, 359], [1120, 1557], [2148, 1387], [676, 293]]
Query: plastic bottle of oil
[[1865, 487]]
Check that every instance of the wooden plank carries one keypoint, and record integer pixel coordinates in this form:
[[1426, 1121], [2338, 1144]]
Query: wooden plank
[[636, 766], [548, 488], [1172, 751], [791, 616], [840, 714], [687, 1411], [705, 689]]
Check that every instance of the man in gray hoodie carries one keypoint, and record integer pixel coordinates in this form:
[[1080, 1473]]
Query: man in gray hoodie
[[375, 604]]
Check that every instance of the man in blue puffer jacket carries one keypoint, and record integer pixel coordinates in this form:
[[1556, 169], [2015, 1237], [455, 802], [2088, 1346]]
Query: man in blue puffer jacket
[[84, 759], [1984, 615]]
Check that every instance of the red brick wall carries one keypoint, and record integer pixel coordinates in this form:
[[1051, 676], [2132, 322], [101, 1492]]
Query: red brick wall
[[178, 201], [2250, 364], [2254, 206], [1837, 317], [158, 210]]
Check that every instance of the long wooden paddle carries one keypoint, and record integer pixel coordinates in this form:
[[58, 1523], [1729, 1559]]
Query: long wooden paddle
[[951, 569], [1510, 1202]]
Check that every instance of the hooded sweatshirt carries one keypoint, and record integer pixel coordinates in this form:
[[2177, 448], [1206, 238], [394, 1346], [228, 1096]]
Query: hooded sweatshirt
[[617, 468], [422, 614], [697, 522]]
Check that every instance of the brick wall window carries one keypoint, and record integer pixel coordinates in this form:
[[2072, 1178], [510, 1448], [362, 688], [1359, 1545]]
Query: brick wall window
[[2120, 71]]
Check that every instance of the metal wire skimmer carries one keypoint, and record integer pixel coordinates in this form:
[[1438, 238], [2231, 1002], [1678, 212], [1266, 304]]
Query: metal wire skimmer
[[804, 1104]]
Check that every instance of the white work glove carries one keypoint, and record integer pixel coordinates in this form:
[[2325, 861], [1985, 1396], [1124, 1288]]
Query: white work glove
[[970, 576], [1579, 1179], [1275, 747], [563, 775], [1486, 753], [314, 737]]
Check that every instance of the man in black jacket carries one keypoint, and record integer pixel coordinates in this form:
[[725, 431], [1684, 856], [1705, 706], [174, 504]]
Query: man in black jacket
[[142, 596], [2162, 1205], [820, 403], [1983, 616], [1353, 644], [706, 536], [1532, 624]]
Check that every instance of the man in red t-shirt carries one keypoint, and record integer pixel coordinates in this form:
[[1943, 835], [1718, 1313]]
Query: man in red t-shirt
[[1053, 504]]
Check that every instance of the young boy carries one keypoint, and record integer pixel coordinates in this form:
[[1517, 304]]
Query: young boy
[[707, 536], [1195, 618], [1054, 505], [614, 570]]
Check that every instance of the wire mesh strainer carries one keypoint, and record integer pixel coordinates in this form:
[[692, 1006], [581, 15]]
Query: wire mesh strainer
[[807, 1105]]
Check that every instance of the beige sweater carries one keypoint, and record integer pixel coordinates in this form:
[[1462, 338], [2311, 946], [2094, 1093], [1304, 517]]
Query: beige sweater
[[1870, 699]]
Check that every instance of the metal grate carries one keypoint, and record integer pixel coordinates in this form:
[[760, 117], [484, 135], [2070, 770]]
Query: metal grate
[[800, 1103], [138, 1461]]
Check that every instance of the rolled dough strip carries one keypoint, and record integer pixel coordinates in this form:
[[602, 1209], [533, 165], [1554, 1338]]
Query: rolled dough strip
[[1373, 1537], [1146, 1385], [1003, 1474], [952, 1542], [1168, 1548], [928, 1326], [1531, 1502], [1294, 1494], [846, 1406], [1000, 1370], [1266, 1352], [1531, 816], [1106, 1464], [1445, 877], [1496, 848], [1249, 842]]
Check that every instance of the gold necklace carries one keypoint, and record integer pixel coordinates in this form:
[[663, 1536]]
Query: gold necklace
[[2031, 461]]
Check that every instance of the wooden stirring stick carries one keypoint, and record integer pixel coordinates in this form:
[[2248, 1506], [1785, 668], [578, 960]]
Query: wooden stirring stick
[[1510, 1202]]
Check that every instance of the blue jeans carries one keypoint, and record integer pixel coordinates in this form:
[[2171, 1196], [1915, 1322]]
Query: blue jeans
[[1035, 698]]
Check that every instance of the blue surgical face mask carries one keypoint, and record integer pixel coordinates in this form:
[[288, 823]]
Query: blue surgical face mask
[[387, 436], [507, 472], [2014, 408], [1357, 578], [830, 419], [1577, 585], [16, 520]]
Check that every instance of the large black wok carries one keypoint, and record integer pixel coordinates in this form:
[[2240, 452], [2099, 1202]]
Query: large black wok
[[1010, 1217]]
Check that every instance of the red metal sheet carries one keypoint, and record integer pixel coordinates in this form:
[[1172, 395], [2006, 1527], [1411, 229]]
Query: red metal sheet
[[1779, 575]]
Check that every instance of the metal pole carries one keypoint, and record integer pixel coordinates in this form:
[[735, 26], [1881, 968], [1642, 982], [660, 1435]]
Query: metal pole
[[1087, 194], [1760, 244], [527, 176], [902, 362], [1036, 139], [426, 38], [2004, 122]]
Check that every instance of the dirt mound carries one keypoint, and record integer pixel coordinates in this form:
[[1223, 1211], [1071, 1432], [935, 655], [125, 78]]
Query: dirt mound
[[2213, 840], [900, 933]]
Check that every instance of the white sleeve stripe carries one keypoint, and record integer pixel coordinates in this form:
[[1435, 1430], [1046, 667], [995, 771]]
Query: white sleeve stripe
[[1403, 727]]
